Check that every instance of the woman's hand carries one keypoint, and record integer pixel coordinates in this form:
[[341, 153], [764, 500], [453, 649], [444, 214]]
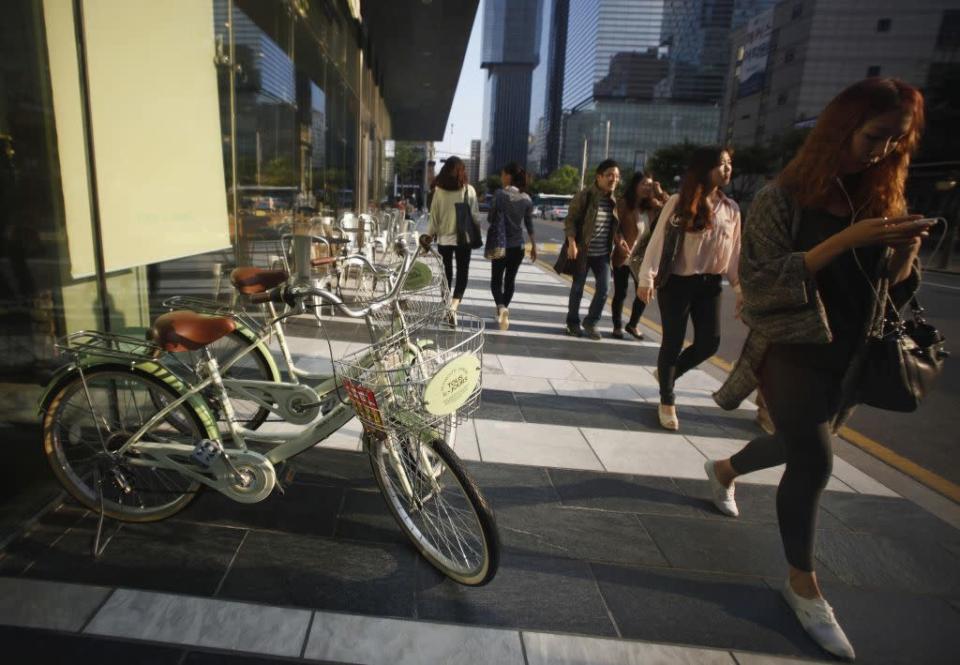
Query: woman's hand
[[571, 249], [738, 307], [533, 252], [645, 293], [892, 231], [624, 247]]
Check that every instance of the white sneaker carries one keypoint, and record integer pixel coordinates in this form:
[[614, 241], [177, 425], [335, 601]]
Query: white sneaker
[[668, 417], [722, 496], [503, 317], [817, 618]]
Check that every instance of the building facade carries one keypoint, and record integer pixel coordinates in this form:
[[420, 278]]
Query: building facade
[[637, 130], [785, 69], [476, 146], [510, 53], [189, 136]]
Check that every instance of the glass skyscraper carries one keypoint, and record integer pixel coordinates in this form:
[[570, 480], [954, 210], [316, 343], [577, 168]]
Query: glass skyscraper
[[510, 53], [695, 37], [597, 31]]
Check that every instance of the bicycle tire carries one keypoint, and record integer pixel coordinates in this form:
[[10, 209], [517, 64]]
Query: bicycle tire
[[480, 508], [56, 424]]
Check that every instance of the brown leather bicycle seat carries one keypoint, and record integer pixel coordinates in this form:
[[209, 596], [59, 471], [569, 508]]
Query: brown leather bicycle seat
[[256, 280], [323, 261], [184, 330]]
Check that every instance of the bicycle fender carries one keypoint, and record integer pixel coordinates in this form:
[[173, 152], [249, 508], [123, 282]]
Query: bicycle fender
[[151, 368], [251, 337]]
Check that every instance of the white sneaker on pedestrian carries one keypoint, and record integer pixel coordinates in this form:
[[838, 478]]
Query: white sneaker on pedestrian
[[817, 618], [722, 496], [503, 318], [668, 417]]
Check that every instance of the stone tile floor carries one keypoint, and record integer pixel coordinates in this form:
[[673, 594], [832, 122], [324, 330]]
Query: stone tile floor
[[611, 552]]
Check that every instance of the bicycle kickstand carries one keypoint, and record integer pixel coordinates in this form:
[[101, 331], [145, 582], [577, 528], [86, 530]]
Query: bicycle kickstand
[[97, 549]]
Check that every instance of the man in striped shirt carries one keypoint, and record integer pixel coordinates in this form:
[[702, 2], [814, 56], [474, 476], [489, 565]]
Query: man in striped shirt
[[589, 228]]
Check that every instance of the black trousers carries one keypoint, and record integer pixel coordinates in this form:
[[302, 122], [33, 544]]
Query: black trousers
[[503, 275], [463, 267], [622, 278], [697, 298], [802, 397]]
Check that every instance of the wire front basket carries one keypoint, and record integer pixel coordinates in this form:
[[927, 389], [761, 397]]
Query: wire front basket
[[425, 296], [394, 383]]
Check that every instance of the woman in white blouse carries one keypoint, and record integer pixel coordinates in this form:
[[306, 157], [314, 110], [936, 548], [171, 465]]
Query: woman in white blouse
[[688, 284]]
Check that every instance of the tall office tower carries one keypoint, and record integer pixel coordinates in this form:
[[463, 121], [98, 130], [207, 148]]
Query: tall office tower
[[791, 60], [613, 64], [598, 30], [695, 41], [540, 90], [474, 172], [511, 51]]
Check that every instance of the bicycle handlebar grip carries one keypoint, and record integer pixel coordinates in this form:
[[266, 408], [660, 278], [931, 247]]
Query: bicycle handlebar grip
[[272, 295]]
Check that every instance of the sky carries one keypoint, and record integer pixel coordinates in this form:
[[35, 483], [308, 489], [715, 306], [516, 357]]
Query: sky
[[466, 116]]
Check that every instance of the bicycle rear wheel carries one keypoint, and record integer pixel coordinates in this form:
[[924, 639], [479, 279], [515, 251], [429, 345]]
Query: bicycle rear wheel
[[442, 510], [83, 428]]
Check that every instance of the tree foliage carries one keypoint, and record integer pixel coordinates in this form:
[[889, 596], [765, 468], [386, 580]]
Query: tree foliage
[[669, 162], [565, 180], [407, 159]]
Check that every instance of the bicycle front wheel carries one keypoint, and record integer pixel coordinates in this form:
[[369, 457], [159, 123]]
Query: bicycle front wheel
[[84, 427], [438, 506]]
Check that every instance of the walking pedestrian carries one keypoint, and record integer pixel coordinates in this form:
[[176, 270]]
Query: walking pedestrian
[[638, 211], [590, 227], [703, 226], [452, 188], [510, 211], [813, 252]]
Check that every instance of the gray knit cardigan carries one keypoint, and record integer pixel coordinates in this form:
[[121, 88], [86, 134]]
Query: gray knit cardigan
[[781, 303]]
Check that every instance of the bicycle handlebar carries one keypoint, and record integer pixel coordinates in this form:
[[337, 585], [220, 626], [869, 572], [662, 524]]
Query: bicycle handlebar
[[293, 294]]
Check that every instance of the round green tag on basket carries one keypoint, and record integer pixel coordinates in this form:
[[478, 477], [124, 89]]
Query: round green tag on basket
[[419, 277], [452, 385]]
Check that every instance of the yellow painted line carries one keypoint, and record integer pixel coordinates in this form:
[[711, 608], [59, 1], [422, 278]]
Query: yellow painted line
[[900, 463], [908, 467]]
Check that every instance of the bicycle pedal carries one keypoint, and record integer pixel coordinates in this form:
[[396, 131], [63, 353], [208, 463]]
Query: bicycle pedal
[[206, 451]]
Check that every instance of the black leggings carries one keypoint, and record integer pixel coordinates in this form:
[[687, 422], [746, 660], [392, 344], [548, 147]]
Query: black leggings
[[503, 275], [802, 397], [694, 297], [463, 267], [621, 282]]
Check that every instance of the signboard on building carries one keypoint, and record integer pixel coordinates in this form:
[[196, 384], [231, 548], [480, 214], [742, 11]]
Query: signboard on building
[[756, 49]]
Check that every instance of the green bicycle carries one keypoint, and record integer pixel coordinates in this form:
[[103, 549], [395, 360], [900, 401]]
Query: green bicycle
[[133, 440]]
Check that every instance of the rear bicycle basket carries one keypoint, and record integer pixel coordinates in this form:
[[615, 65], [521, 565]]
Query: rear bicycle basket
[[419, 381], [93, 343]]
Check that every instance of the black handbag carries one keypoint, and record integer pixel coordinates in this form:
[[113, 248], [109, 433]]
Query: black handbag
[[564, 265], [468, 231], [901, 362], [672, 243]]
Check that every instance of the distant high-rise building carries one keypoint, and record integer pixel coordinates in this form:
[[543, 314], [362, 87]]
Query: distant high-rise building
[[597, 30], [787, 64], [473, 173], [510, 52], [695, 41]]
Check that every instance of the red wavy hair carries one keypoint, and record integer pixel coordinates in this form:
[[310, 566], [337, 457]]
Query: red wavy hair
[[810, 175]]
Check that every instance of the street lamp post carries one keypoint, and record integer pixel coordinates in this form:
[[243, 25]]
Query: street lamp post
[[583, 167], [606, 143]]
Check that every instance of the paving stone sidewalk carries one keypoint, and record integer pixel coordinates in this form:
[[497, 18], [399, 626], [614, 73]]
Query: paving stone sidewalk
[[611, 551]]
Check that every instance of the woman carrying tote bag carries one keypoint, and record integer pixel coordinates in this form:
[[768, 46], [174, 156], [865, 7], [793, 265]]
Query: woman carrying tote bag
[[452, 189]]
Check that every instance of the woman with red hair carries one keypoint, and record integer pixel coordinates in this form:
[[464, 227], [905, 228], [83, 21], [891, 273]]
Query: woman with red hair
[[815, 247]]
